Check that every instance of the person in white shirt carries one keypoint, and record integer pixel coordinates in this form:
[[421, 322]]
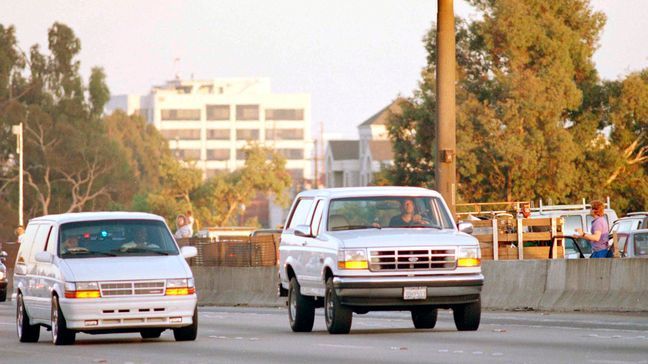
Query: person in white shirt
[[183, 229], [190, 221]]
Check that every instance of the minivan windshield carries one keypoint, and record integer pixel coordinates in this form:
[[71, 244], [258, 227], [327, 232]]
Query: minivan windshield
[[387, 212], [111, 238]]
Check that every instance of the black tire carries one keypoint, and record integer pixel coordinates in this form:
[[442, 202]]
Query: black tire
[[61, 335], [26, 333], [467, 317], [338, 317], [187, 333], [301, 309], [151, 333], [3, 295], [424, 318]]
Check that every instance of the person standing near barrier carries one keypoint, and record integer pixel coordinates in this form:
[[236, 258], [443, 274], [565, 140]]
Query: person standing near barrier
[[190, 221], [182, 228], [20, 231], [598, 236]]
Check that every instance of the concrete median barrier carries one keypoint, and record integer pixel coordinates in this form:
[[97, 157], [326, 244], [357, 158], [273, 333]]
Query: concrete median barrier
[[550, 285]]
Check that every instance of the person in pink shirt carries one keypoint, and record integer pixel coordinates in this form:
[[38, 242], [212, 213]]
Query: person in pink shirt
[[598, 236]]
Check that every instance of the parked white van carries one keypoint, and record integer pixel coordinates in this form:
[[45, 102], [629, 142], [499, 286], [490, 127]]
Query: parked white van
[[103, 272]]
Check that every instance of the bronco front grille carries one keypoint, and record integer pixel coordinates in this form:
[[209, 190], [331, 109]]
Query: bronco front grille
[[112, 289], [381, 260]]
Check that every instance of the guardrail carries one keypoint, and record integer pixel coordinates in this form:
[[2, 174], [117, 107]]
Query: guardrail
[[234, 251]]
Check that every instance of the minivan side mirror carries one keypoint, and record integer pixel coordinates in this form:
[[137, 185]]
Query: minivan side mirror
[[465, 227], [303, 231], [188, 251], [44, 257]]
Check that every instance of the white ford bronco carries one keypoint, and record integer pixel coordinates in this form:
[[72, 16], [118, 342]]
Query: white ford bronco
[[355, 250]]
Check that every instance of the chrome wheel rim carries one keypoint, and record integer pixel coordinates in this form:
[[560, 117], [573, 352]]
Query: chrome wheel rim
[[54, 320], [19, 316], [329, 306], [293, 305]]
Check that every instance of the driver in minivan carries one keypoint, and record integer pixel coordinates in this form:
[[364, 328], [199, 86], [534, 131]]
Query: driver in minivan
[[139, 240]]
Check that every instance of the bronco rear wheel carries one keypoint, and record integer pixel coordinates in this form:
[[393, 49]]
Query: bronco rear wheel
[[301, 309]]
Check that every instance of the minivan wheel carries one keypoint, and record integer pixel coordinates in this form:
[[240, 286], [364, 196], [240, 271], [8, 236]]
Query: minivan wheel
[[61, 335], [467, 316], [301, 309], [26, 333], [187, 333], [338, 317], [151, 333], [424, 318]]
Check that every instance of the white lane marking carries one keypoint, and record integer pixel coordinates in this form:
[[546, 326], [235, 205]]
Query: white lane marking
[[477, 352], [345, 346], [497, 354], [616, 361], [7, 323], [443, 350], [458, 352]]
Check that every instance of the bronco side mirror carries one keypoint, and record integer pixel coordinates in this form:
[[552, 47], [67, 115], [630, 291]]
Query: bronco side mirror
[[465, 227]]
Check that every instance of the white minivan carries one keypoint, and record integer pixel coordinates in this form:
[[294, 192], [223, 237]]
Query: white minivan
[[103, 272]]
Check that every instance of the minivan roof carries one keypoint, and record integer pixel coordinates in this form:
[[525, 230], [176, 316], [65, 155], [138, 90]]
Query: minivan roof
[[95, 216]]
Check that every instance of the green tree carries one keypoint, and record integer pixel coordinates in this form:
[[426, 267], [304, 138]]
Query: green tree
[[531, 110], [220, 199]]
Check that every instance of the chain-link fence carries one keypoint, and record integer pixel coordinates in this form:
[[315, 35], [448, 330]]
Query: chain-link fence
[[235, 251]]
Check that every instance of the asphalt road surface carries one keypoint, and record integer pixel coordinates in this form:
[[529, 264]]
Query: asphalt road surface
[[262, 335]]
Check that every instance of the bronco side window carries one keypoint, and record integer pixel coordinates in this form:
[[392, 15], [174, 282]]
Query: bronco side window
[[300, 213]]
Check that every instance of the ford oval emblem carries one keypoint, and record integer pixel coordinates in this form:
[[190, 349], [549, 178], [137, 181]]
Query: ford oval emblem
[[413, 259]]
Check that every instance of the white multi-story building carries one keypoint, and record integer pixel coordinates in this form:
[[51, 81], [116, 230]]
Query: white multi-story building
[[210, 123]]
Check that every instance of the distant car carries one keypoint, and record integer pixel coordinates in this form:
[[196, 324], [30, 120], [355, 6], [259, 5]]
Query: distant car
[[3, 277], [575, 248], [261, 232], [103, 272], [623, 226], [574, 216], [635, 244]]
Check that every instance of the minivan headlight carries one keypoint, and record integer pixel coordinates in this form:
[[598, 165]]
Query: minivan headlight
[[352, 259], [180, 287], [82, 290], [468, 257]]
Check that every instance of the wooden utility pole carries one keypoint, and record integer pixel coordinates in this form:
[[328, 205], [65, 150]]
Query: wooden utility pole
[[445, 166]]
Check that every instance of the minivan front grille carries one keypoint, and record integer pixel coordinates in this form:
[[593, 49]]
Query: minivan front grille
[[137, 288], [381, 260]]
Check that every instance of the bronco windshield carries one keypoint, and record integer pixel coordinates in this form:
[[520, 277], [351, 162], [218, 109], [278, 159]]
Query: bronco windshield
[[388, 212], [107, 238]]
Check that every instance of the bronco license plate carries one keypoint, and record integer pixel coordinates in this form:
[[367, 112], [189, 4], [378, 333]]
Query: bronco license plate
[[414, 293]]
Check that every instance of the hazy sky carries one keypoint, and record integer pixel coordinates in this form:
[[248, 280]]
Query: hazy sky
[[353, 57]]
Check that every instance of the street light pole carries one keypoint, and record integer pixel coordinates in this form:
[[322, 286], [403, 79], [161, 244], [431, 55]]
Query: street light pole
[[445, 90], [18, 130]]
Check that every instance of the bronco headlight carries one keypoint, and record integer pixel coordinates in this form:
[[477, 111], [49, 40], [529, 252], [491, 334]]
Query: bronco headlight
[[468, 257], [352, 259]]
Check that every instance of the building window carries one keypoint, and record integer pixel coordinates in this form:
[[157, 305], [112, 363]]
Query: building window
[[284, 114], [247, 112], [180, 114], [218, 134], [218, 154], [187, 154], [241, 154], [289, 153], [284, 134], [184, 134], [218, 112], [247, 134]]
